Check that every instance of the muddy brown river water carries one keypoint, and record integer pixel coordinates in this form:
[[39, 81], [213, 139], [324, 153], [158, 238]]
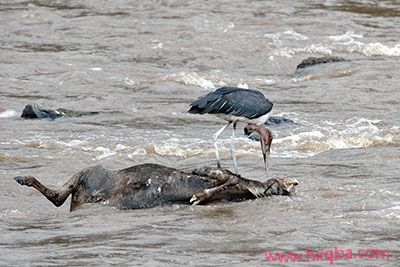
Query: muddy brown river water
[[140, 64]]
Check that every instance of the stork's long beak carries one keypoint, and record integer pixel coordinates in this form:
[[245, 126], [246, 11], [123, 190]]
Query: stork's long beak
[[265, 148], [265, 140]]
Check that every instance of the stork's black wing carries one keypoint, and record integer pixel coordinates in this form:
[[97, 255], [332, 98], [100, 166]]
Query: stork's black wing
[[233, 101]]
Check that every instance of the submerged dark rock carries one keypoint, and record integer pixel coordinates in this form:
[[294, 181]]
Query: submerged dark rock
[[150, 185], [276, 120], [312, 61], [35, 111]]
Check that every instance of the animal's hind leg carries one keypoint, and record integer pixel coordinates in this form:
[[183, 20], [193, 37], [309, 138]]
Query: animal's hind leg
[[208, 193], [56, 196]]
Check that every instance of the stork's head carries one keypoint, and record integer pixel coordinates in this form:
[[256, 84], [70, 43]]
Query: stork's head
[[265, 140]]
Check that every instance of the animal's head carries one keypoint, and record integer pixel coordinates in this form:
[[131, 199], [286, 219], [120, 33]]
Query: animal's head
[[287, 184]]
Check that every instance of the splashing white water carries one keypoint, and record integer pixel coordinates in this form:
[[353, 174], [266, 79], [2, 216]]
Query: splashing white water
[[302, 139], [353, 133], [192, 78], [348, 37], [8, 113], [305, 140], [289, 34], [348, 42]]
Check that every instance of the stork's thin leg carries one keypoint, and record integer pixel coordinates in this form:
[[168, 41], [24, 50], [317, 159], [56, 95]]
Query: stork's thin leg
[[233, 150], [215, 139]]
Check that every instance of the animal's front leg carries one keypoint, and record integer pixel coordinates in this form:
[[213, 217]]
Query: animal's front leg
[[209, 192]]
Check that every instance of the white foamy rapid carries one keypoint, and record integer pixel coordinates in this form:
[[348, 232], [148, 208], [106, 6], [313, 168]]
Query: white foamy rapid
[[309, 139], [303, 140], [8, 113], [348, 42], [192, 78], [214, 80]]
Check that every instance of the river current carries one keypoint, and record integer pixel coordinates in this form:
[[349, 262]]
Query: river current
[[140, 64]]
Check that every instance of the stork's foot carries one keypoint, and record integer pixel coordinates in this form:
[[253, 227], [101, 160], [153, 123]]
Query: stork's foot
[[219, 165], [236, 173]]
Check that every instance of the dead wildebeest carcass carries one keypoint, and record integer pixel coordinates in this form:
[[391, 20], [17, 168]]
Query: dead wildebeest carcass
[[149, 185]]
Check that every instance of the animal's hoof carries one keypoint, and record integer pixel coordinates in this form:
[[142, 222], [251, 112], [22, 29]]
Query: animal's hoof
[[194, 200], [23, 180], [19, 180], [200, 197]]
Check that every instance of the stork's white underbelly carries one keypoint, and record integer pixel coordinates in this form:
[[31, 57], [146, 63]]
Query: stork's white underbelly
[[258, 121]]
